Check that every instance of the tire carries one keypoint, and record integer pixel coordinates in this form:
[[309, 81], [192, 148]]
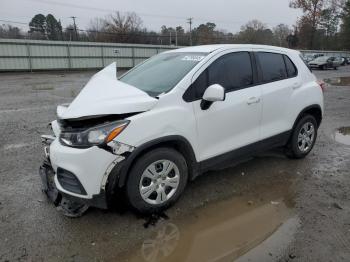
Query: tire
[[335, 68], [299, 147], [149, 172], [324, 67]]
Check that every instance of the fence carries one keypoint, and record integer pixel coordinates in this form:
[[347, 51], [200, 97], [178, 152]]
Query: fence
[[33, 55], [327, 53]]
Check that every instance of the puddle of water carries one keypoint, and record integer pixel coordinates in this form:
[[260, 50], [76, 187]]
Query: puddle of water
[[342, 135], [275, 245], [338, 81], [223, 231]]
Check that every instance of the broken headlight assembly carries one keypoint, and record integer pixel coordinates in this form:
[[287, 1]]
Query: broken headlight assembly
[[96, 136]]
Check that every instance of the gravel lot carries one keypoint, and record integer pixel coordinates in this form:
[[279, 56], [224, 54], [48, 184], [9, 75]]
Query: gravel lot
[[267, 209]]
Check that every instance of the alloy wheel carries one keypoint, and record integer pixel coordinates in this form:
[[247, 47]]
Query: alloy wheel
[[306, 137], [159, 182]]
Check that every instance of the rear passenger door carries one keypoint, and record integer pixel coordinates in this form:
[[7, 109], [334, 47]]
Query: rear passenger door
[[278, 78], [234, 122]]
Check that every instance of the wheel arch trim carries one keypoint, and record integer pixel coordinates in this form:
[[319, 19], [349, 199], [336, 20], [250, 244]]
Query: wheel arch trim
[[120, 172], [306, 109]]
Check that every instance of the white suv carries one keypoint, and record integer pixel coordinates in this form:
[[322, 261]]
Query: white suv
[[175, 116]]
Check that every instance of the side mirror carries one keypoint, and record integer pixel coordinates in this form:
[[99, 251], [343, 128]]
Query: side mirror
[[212, 94]]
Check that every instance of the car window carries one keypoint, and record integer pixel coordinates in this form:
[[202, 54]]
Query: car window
[[272, 66], [162, 72], [305, 62], [291, 68], [233, 71]]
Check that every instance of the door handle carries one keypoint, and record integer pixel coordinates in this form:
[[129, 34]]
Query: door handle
[[253, 100]]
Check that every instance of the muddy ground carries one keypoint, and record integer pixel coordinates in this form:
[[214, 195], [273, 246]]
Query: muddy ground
[[267, 209]]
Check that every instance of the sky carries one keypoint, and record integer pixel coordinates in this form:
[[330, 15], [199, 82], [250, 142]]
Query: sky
[[227, 15]]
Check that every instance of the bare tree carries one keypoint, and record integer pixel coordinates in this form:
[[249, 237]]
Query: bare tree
[[96, 29], [254, 25], [345, 26], [123, 25], [313, 10], [8, 31], [254, 32], [281, 32]]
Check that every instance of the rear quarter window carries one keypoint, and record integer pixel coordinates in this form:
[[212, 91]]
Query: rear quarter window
[[291, 68], [305, 62]]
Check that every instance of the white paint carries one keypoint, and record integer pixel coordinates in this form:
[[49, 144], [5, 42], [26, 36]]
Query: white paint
[[244, 117], [214, 93], [104, 94]]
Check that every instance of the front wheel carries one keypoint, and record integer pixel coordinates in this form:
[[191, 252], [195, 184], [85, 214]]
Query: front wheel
[[303, 137], [157, 180]]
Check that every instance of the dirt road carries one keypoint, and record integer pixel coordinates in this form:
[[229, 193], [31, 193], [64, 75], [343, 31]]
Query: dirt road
[[267, 209]]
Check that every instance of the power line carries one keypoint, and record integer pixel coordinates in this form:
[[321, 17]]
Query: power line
[[146, 36], [13, 22], [99, 9], [151, 35]]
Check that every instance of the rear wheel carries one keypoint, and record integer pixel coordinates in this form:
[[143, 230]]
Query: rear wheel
[[303, 137], [157, 180]]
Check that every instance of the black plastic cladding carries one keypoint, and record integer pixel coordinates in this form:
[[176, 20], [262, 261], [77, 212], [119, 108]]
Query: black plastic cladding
[[69, 181]]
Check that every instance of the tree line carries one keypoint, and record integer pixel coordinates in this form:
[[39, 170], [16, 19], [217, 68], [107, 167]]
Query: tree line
[[325, 24]]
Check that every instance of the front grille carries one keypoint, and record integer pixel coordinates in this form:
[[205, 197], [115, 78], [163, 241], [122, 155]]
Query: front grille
[[70, 182]]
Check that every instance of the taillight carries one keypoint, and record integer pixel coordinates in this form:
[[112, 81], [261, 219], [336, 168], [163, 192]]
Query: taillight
[[322, 84]]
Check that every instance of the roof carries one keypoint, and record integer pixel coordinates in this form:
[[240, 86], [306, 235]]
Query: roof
[[212, 48]]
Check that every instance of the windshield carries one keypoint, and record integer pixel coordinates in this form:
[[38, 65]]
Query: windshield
[[322, 59], [162, 72]]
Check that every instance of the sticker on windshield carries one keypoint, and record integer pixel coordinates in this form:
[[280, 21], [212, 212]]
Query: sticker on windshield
[[195, 58]]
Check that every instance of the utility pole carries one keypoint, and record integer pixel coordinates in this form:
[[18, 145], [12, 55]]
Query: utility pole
[[75, 27], [175, 36], [189, 20]]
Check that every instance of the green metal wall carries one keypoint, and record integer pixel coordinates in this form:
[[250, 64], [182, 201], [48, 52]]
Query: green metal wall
[[32, 55]]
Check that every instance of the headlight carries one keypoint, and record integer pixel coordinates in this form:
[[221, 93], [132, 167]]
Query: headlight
[[98, 135]]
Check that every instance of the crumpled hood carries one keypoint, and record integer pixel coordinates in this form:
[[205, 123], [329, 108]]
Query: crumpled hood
[[104, 94]]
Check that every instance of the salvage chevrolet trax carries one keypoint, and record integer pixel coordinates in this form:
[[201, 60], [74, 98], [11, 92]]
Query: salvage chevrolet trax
[[173, 117]]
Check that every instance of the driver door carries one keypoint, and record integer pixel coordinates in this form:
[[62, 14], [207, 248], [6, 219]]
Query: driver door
[[235, 122]]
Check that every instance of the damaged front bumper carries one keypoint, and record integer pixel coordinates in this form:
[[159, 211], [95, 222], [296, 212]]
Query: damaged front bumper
[[78, 177]]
